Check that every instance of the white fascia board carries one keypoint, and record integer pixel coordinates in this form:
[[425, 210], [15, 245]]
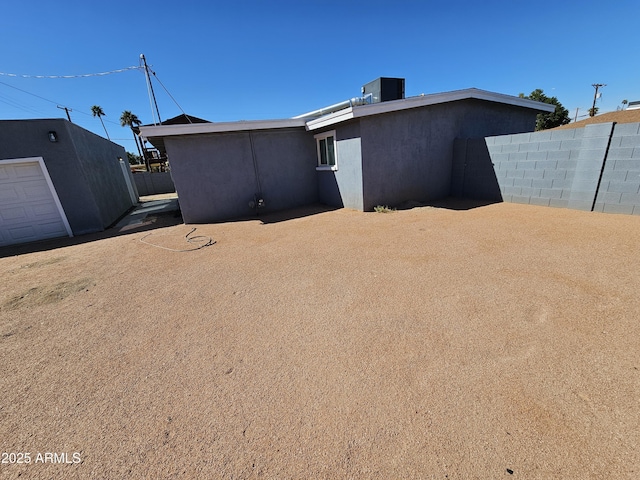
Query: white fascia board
[[222, 127], [331, 119], [422, 101]]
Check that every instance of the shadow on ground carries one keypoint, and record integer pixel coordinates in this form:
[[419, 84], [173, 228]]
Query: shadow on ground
[[149, 215], [450, 203], [146, 216], [294, 213]]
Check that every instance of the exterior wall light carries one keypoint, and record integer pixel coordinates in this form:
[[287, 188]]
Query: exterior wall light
[[53, 137]]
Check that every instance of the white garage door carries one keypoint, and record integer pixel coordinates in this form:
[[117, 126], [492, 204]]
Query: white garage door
[[29, 206]]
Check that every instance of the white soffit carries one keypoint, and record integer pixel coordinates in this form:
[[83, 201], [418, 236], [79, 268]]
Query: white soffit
[[221, 127], [422, 101]]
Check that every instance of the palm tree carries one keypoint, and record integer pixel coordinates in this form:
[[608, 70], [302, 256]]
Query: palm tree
[[128, 119], [97, 111]]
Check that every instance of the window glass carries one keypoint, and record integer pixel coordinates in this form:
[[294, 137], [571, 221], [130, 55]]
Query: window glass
[[331, 156], [327, 150], [323, 152]]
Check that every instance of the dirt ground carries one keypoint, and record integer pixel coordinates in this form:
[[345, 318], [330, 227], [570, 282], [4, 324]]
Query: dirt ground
[[491, 342]]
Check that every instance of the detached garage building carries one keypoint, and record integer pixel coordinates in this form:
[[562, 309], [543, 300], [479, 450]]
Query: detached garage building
[[57, 179]]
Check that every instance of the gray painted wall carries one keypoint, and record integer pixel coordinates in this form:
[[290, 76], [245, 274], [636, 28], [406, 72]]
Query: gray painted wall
[[408, 155], [343, 187], [215, 176], [84, 169], [152, 183], [570, 168], [619, 190]]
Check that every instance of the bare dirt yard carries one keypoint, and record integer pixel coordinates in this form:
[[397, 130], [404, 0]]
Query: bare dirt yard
[[494, 342]]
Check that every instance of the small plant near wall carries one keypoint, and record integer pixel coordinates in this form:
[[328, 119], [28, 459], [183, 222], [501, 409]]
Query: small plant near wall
[[383, 209]]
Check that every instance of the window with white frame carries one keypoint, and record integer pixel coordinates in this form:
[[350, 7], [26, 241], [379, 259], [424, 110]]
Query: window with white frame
[[327, 154]]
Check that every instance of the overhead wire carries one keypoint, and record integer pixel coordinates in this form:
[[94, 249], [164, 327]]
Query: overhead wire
[[21, 106], [29, 93], [75, 109], [83, 75], [171, 96]]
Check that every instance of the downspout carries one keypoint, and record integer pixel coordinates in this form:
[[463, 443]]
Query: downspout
[[258, 201]]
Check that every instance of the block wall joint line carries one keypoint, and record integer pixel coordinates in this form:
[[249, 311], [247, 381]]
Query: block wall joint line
[[604, 163]]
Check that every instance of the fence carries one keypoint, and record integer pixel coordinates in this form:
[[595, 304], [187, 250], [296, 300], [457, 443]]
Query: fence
[[149, 183], [595, 168]]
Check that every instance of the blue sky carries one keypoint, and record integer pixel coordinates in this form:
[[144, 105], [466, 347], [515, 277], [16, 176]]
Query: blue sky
[[245, 60]]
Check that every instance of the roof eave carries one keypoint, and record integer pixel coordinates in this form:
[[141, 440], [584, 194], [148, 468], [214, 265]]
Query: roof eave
[[423, 101], [222, 127]]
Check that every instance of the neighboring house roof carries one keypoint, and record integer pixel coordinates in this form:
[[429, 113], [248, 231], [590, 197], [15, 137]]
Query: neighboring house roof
[[621, 116], [183, 119], [345, 114]]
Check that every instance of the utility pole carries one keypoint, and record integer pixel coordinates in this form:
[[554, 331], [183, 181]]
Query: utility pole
[[66, 110], [150, 85], [592, 112]]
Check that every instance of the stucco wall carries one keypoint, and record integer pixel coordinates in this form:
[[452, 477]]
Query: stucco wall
[[215, 175], [99, 160], [343, 187], [408, 155], [84, 169]]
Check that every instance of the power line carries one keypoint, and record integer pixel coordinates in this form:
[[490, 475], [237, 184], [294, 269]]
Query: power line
[[171, 96], [50, 101], [29, 93], [84, 75]]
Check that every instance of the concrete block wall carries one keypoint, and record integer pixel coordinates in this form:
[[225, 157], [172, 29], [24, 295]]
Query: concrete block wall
[[153, 183], [619, 190], [537, 168], [592, 168]]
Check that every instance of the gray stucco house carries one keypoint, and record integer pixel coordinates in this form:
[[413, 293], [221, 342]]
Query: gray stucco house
[[356, 155], [58, 179]]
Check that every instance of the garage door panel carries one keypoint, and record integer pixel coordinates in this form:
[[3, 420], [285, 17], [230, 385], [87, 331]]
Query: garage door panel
[[36, 190], [21, 191], [44, 209], [24, 233], [9, 194], [20, 171], [51, 229], [28, 208], [11, 215], [24, 213], [30, 232], [28, 170]]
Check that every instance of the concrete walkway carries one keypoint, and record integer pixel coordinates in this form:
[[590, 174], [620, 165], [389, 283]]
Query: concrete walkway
[[149, 205]]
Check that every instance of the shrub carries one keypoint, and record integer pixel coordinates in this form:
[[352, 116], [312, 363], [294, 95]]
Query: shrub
[[383, 209]]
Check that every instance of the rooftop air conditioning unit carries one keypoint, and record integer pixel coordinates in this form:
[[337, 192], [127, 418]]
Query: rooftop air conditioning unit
[[384, 89]]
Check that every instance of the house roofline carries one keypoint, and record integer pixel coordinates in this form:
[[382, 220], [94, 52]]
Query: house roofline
[[343, 115], [422, 101], [221, 127]]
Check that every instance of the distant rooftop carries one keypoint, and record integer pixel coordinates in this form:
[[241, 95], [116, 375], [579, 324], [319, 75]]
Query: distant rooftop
[[621, 116], [634, 105]]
